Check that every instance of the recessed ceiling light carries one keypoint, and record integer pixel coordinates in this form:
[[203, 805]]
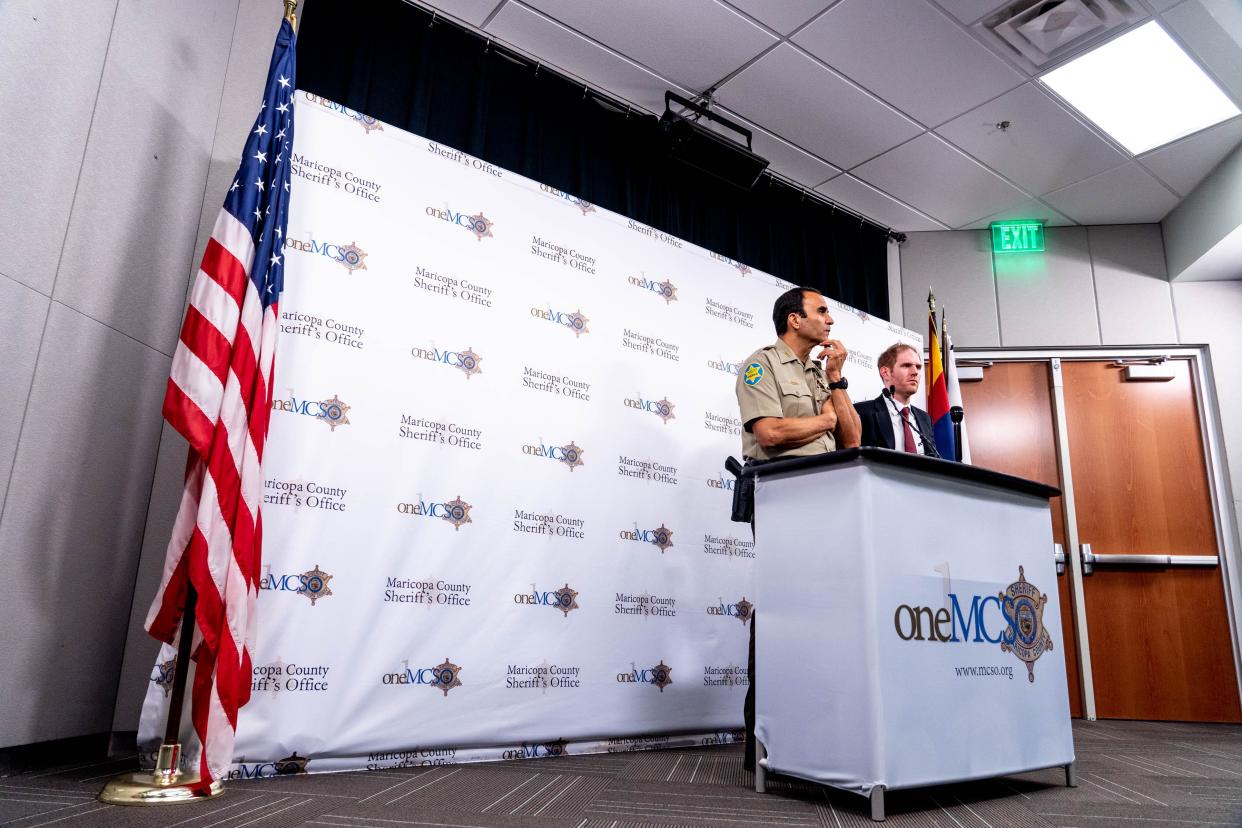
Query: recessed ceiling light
[[1142, 89]]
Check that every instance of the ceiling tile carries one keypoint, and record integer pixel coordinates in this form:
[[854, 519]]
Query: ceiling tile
[[909, 54], [880, 207], [693, 42], [1183, 164], [1043, 149], [785, 158], [473, 12], [1124, 195], [1031, 209], [557, 46], [792, 95], [944, 183], [968, 11], [1212, 29], [784, 16]]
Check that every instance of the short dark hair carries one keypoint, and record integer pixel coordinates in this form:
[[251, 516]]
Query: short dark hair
[[888, 359], [791, 301]]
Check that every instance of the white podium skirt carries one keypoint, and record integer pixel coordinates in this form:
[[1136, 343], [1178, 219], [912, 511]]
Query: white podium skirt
[[911, 630]]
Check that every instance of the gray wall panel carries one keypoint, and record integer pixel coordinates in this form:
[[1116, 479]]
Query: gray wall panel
[[72, 526], [1204, 218], [1048, 298], [958, 266], [249, 56], [51, 57], [131, 233], [22, 314], [1131, 285]]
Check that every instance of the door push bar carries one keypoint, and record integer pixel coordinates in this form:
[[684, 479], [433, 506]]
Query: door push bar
[[1090, 560]]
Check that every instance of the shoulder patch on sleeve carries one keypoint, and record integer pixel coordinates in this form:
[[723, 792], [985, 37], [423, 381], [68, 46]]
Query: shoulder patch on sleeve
[[754, 373]]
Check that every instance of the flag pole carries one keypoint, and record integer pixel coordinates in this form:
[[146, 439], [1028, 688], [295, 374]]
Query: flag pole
[[944, 337], [167, 784], [956, 413]]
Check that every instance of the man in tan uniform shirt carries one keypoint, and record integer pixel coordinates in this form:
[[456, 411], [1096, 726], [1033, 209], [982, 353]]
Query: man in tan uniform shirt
[[792, 406], [784, 395]]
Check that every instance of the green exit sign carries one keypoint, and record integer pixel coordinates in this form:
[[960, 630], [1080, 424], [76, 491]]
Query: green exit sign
[[1017, 237]]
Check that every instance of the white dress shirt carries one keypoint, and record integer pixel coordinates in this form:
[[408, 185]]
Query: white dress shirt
[[899, 439]]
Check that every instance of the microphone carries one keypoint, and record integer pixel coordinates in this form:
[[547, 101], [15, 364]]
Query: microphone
[[957, 414], [929, 444]]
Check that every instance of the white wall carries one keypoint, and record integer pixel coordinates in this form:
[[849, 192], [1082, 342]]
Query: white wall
[[1211, 312], [112, 171], [1104, 285]]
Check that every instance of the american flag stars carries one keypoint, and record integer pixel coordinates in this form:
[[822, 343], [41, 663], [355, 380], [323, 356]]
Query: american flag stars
[[261, 204]]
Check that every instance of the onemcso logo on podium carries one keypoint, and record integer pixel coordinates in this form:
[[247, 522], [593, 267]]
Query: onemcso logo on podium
[[1019, 629]]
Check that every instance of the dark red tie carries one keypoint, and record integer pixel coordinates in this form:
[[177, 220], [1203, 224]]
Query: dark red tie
[[905, 422]]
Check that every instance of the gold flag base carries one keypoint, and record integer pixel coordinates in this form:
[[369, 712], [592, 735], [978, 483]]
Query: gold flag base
[[166, 785]]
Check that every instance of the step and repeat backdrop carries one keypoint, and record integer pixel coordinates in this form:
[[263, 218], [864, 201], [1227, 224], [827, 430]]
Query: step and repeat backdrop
[[495, 508]]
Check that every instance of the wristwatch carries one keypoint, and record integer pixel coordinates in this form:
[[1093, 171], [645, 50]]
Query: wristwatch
[[841, 384]]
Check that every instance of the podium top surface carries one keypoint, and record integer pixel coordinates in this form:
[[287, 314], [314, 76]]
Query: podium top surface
[[913, 462]]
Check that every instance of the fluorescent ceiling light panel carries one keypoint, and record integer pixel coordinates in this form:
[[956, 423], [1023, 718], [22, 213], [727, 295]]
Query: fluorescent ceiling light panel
[[1142, 89]]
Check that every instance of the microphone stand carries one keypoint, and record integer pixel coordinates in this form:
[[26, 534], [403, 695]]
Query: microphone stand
[[929, 445], [957, 414]]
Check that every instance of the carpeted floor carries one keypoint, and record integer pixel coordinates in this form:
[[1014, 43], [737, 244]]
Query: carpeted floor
[[1136, 774]]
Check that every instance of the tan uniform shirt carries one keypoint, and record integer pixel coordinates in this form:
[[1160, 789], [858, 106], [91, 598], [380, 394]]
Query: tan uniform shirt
[[775, 383]]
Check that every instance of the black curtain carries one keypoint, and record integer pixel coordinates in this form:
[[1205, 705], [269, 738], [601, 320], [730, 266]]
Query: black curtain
[[389, 60]]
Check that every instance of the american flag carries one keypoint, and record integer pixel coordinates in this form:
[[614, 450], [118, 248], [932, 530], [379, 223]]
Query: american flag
[[219, 398]]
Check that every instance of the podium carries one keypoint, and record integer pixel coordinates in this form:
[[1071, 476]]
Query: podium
[[910, 628]]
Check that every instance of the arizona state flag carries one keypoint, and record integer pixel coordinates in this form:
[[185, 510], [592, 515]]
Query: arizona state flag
[[937, 390]]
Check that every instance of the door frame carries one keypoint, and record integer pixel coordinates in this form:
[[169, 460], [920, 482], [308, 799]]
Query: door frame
[[1228, 547]]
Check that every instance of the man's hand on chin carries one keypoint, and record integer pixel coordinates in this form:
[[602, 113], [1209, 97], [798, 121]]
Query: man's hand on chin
[[833, 357]]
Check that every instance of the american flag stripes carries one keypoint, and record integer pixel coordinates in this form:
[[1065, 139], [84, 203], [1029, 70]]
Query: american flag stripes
[[219, 398]]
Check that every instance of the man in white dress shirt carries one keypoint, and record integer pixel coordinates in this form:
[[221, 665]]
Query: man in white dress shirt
[[890, 420]]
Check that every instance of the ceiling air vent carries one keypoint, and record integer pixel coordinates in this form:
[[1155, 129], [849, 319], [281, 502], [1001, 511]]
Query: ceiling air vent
[[1048, 30]]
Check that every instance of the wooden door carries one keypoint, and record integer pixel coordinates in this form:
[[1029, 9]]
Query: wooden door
[[1161, 647], [1010, 429]]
